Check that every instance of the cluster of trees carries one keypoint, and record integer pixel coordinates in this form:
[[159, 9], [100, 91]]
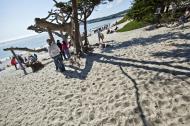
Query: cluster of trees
[[143, 10], [68, 14]]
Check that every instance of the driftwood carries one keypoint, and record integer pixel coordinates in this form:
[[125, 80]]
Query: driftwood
[[36, 66], [26, 49]]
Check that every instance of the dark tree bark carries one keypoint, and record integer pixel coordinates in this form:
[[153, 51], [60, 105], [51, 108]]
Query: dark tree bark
[[76, 27], [50, 35], [85, 28]]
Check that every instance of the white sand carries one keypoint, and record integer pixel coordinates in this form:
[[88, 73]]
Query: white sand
[[124, 85]]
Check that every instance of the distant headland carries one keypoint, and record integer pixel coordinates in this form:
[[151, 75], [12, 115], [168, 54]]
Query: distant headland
[[119, 14]]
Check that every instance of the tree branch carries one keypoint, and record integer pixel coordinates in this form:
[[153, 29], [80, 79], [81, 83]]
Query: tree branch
[[26, 49]]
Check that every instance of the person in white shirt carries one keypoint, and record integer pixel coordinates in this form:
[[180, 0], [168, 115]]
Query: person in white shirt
[[54, 53], [100, 36]]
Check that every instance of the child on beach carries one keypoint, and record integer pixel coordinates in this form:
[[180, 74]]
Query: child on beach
[[13, 62]]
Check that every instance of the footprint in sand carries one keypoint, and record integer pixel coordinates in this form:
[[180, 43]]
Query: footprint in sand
[[162, 103], [126, 104], [78, 113], [132, 121], [186, 98], [91, 115], [187, 118], [181, 110], [181, 121], [83, 89], [146, 103], [68, 96], [173, 124], [169, 115], [117, 104]]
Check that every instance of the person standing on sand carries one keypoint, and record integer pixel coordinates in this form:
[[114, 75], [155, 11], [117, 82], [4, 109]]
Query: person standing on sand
[[60, 47], [13, 62], [54, 53], [184, 18], [158, 16], [100, 36], [65, 49]]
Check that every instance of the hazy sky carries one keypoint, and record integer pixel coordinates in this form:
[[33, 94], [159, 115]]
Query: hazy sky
[[17, 15]]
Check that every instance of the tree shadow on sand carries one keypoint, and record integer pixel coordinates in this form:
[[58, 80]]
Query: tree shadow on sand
[[166, 67], [148, 41], [160, 67], [182, 51], [142, 116]]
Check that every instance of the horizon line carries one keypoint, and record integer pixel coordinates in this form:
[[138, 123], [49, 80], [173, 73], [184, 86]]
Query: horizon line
[[21, 37]]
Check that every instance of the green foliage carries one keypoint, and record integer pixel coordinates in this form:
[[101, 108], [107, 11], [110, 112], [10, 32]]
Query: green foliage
[[143, 10], [132, 25]]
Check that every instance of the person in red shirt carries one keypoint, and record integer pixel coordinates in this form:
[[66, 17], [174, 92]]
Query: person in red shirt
[[65, 48], [13, 62]]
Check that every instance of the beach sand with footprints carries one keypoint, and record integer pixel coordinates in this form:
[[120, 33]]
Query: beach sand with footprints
[[142, 78]]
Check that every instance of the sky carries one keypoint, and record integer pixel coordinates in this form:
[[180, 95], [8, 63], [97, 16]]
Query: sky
[[17, 15]]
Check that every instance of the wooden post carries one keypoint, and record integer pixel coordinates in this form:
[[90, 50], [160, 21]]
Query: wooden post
[[19, 62]]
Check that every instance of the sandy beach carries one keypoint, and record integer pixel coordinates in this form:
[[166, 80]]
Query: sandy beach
[[142, 78]]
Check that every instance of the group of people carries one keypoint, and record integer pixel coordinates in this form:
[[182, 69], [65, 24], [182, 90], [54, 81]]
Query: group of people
[[24, 61], [182, 19], [105, 27], [57, 52], [109, 31]]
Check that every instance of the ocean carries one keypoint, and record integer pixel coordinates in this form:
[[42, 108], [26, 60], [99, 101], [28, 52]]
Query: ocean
[[40, 40]]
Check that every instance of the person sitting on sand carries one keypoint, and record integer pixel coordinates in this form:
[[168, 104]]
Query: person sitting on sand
[[54, 53], [36, 56], [31, 59], [108, 31], [13, 62]]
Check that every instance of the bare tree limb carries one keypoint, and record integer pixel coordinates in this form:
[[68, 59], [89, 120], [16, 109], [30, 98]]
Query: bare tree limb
[[26, 49]]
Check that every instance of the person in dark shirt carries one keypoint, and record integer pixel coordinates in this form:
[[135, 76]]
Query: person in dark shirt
[[60, 47]]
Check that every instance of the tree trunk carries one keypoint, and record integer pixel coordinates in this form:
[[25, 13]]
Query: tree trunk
[[85, 29], [51, 35], [76, 27]]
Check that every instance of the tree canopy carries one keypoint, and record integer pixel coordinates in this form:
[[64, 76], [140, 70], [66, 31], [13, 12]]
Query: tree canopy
[[145, 9]]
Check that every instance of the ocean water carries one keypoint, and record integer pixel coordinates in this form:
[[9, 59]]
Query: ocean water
[[40, 40]]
